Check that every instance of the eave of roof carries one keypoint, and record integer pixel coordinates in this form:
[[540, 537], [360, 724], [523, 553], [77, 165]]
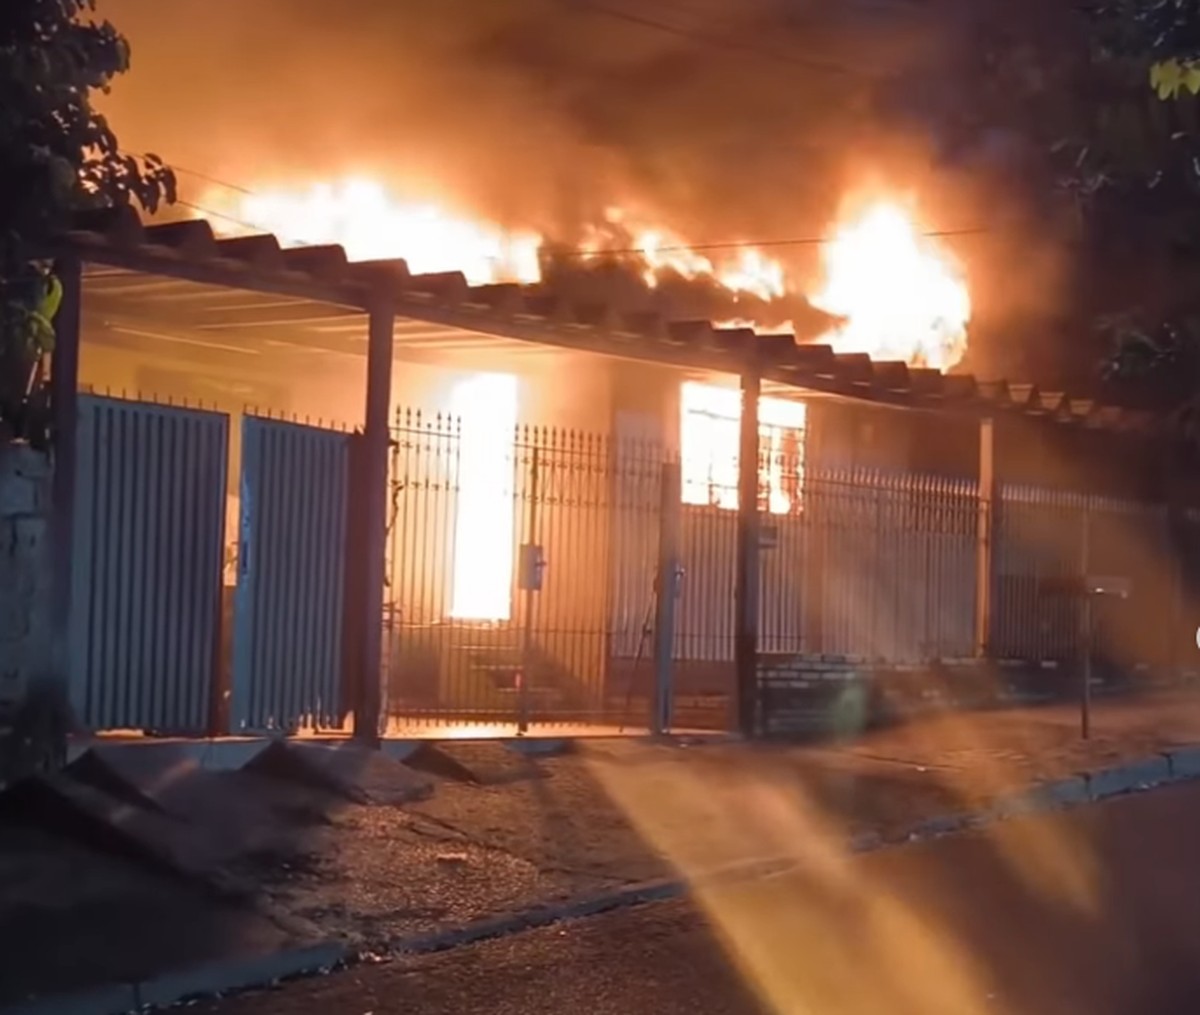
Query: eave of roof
[[190, 250]]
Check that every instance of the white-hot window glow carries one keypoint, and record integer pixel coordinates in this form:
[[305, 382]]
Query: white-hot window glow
[[486, 405], [709, 424]]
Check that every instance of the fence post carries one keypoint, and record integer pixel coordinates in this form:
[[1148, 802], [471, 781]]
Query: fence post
[[1173, 550], [746, 591], [354, 618], [1085, 620], [64, 401], [376, 445], [529, 581], [667, 590], [985, 537]]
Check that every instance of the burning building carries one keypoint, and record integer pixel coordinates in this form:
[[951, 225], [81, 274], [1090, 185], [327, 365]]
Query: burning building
[[577, 279], [543, 452]]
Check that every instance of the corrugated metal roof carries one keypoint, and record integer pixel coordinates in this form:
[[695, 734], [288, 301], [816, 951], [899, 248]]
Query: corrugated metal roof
[[449, 306]]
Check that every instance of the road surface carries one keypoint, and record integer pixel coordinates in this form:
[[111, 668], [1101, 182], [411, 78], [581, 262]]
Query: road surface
[[1097, 913]]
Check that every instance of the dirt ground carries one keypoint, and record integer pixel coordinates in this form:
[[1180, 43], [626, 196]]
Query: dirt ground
[[523, 831]]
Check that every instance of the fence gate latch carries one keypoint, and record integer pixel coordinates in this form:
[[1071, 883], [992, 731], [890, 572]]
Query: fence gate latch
[[678, 573], [533, 567]]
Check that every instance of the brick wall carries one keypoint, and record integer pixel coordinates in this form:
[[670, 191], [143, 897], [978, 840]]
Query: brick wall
[[24, 572], [824, 696]]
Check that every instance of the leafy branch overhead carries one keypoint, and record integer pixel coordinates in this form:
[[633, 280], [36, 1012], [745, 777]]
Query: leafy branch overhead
[[1164, 35], [1156, 346], [58, 157], [1169, 78]]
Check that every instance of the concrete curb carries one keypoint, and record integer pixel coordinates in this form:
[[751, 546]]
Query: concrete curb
[[239, 975], [210, 980], [659, 890], [1165, 769]]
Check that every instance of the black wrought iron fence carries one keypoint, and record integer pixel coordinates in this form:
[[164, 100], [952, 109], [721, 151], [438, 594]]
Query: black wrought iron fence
[[521, 572], [525, 566], [1046, 535]]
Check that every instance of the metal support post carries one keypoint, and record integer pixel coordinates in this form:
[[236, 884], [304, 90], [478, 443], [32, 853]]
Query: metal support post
[[376, 445], [985, 537], [1085, 618], [64, 402], [531, 577], [667, 587], [746, 592]]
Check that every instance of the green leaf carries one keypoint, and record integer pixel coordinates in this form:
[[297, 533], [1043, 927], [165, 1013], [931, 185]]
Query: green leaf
[[53, 298], [1166, 78], [1170, 77], [58, 156]]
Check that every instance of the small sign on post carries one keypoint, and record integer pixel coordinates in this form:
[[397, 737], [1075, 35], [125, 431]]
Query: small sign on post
[[532, 568], [1086, 589]]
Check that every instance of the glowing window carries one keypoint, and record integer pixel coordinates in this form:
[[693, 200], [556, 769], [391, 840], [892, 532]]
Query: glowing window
[[486, 405], [709, 421]]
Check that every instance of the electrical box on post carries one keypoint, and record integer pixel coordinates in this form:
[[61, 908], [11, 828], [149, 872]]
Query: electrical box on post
[[532, 568]]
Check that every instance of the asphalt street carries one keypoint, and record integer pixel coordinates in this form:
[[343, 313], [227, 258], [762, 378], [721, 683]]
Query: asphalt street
[[1097, 913]]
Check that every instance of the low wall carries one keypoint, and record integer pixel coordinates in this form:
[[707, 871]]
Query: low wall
[[33, 714], [824, 696], [25, 644]]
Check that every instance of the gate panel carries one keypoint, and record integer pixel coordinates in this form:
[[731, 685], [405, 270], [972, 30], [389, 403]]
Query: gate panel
[[146, 571], [561, 644], [288, 607]]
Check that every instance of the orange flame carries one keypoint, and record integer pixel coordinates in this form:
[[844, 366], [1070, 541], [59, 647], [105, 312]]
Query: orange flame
[[742, 270], [370, 223], [901, 297]]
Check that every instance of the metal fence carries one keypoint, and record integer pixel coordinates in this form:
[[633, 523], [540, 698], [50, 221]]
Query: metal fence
[[856, 563], [517, 577], [523, 587], [524, 572], [146, 572], [523, 584], [1043, 535], [291, 574], [890, 565]]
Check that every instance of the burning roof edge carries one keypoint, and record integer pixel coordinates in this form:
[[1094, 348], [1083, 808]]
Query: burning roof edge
[[190, 250]]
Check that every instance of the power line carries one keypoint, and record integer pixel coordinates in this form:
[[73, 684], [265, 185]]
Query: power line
[[213, 214], [809, 63], [681, 248], [800, 241], [587, 253], [184, 171], [210, 179]]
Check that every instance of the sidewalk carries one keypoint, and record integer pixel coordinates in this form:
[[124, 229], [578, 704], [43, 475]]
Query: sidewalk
[[271, 863]]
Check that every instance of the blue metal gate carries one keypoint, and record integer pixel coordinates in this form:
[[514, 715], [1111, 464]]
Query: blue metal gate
[[288, 607], [147, 561]]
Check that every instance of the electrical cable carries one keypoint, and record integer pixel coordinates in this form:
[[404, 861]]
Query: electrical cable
[[583, 253], [693, 35]]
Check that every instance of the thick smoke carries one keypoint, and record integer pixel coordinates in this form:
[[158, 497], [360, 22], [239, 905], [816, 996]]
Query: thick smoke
[[752, 121], [537, 112]]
